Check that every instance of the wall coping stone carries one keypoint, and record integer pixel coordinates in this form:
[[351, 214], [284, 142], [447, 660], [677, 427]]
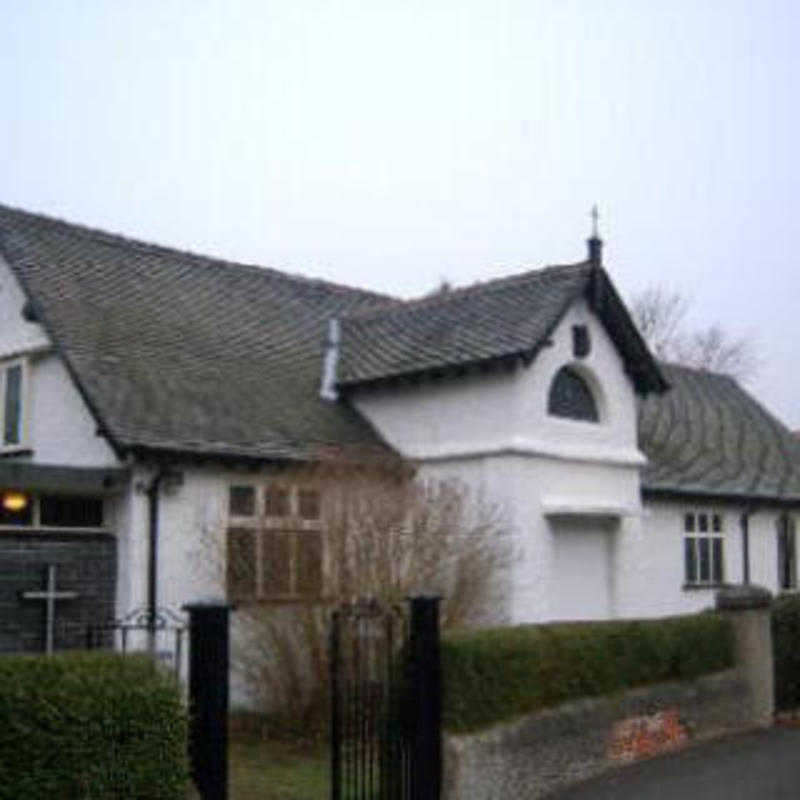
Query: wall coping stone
[[743, 598]]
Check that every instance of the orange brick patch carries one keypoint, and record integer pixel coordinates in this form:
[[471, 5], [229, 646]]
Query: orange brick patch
[[639, 737]]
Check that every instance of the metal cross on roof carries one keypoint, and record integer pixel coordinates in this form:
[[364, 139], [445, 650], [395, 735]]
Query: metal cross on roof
[[50, 594], [595, 218]]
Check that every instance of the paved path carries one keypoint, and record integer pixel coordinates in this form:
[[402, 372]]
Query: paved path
[[754, 766]]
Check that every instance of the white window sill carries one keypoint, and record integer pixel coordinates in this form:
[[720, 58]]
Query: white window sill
[[16, 450]]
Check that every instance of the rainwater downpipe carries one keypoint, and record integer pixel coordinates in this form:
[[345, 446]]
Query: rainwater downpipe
[[744, 522], [152, 567]]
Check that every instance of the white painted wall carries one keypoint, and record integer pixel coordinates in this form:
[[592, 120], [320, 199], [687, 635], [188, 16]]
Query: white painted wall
[[582, 563], [494, 432], [61, 428], [507, 412], [16, 335], [58, 426], [655, 566]]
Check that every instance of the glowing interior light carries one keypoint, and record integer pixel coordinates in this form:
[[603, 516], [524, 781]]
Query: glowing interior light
[[14, 501]]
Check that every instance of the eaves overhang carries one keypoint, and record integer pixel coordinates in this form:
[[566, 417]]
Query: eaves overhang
[[58, 478], [703, 495]]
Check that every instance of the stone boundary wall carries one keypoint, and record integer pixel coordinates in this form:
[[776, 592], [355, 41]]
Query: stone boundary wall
[[557, 747], [554, 748]]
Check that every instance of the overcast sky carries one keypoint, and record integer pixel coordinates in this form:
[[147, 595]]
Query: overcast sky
[[393, 144]]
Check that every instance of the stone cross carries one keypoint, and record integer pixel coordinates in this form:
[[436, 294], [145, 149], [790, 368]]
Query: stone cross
[[49, 595]]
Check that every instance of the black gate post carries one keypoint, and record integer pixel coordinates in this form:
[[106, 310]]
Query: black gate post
[[425, 699], [336, 719], [208, 697]]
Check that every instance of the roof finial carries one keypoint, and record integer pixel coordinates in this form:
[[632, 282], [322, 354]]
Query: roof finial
[[595, 242]]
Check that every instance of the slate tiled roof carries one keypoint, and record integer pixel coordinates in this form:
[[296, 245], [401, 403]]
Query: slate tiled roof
[[182, 353], [708, 436], [503, 319], [175, 351]]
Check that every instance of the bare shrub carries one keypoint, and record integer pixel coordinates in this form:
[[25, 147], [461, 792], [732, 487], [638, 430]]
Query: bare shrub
[[386, 537]]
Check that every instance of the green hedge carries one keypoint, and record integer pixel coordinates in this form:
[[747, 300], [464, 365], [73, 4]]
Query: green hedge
[[786, 647], [497, 674], [90, 726]]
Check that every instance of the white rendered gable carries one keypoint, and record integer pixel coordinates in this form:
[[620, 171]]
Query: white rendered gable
[[16, 334], [58, 426], [569, 488], [506, 412]]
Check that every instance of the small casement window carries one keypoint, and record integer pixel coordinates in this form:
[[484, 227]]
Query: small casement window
[[787, 553], [50, 510], [703, 548], [12, 378], [274, 543], [571, 397], [70, 511]]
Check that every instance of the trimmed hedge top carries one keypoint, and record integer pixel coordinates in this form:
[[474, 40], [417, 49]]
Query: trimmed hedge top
[[90, 725], [496, 674]]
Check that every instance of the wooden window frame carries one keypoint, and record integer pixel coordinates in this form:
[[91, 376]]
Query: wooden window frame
[[292, 525], [36, 525], [703, 529], [22, 423]]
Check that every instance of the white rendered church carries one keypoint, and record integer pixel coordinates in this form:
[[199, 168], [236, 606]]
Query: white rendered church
[[156, 396]]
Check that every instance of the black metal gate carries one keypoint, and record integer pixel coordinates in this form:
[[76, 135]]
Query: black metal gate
[[386, 702]]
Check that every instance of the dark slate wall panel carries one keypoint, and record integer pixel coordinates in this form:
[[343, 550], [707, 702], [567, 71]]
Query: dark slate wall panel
[[86, 564]]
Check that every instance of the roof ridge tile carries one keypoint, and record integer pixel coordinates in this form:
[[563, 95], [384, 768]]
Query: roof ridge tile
[[79, 230], [458, 293]]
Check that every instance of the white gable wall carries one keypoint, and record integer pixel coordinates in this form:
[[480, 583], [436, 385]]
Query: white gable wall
[[60, 428], [493, 432], [16, 334]]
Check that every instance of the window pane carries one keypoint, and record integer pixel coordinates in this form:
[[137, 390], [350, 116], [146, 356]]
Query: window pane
[[309, 502], [309, 563], [690, 560], [702, 522], [13, 417], [276, 501], [71, 511], [705, 559], [241, 564], [276, 563], [716, 523], [688, 523], [242, 501], [717, 559], [571, 397]]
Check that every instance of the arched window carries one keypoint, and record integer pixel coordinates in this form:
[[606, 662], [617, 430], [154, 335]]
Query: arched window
[[570, 396]]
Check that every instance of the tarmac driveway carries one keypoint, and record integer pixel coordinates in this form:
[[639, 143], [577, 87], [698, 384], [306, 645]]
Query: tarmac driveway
[[764, 765]]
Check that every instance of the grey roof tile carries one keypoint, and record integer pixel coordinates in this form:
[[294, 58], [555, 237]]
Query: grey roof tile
[[178, 351], [511, 317], [181, 353], [708, 436]]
